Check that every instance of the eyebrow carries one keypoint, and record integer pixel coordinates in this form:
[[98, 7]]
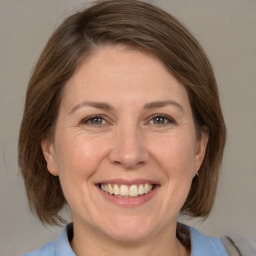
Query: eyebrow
[[105, 106], [160, 104], [99, 105]]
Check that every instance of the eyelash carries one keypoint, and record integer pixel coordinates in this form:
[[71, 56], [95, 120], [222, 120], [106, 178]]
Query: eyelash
[[91, 118], [166, 120]]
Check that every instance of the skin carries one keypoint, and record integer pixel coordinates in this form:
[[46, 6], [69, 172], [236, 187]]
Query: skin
[[127, 142]]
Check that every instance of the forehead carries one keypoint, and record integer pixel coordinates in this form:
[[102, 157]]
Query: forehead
[[113, 71]]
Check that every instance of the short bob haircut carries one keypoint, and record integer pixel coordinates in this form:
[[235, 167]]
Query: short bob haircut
[[137, 25]]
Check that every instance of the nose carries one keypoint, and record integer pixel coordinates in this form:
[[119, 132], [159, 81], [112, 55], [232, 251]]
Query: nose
[[129, 150]]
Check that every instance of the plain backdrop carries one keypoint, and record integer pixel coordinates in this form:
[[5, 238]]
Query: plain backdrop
[[225, 28]]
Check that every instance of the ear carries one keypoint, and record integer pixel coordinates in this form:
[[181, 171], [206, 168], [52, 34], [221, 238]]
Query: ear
[[49, 156], [201, 146]]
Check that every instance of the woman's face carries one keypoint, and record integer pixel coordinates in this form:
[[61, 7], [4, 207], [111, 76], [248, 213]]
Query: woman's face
[[125, 126]]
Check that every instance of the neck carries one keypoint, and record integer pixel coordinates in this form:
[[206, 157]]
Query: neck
[[98, 244]]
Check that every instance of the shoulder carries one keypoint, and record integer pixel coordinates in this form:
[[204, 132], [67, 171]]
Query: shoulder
[[59, 247], [205, 245], [47, 249]]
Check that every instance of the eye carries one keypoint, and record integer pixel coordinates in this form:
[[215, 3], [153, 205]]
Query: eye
[[96, 120], [160, 119]]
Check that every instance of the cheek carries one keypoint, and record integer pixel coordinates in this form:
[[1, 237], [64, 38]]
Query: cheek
[[79, 156], [176, 154], [77, 160]]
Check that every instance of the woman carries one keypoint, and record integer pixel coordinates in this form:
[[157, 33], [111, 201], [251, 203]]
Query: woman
[[122, 123]]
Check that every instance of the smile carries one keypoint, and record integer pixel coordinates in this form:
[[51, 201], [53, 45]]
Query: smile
[[127, 191]]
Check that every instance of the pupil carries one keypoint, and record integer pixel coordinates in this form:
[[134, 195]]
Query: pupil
[[159, 120], [96, 120]]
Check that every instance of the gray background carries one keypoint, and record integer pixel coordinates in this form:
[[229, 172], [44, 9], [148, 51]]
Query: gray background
[[225, 28]]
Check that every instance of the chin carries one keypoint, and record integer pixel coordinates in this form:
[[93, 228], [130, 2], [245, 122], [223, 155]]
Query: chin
[[130, 229]]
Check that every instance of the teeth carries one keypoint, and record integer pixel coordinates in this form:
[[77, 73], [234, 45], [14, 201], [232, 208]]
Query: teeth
[[141, 190], [110, 189], [124, 190], [133, 191], [116, 190], [146, 187]]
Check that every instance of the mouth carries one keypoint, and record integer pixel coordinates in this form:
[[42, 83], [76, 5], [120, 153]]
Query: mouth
[[127, 191]]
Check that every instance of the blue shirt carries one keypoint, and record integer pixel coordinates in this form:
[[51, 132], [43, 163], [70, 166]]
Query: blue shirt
[[202, 245]]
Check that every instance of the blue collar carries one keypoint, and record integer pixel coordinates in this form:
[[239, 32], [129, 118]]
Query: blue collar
[[202, 245]]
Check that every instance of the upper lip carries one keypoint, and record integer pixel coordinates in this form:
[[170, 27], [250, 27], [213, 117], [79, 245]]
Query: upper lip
[[128, 182]]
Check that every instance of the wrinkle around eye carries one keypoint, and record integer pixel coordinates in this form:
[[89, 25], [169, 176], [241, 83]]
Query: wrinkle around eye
[[161, 120], [95, 123]]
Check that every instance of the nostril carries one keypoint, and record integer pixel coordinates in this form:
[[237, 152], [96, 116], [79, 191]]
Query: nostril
[[129, 164], [129, 152]]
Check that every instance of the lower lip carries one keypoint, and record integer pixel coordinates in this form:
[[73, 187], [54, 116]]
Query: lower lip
[[132, 201]]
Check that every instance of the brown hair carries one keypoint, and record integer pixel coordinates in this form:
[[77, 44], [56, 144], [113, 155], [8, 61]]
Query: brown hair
[[141, 26]]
